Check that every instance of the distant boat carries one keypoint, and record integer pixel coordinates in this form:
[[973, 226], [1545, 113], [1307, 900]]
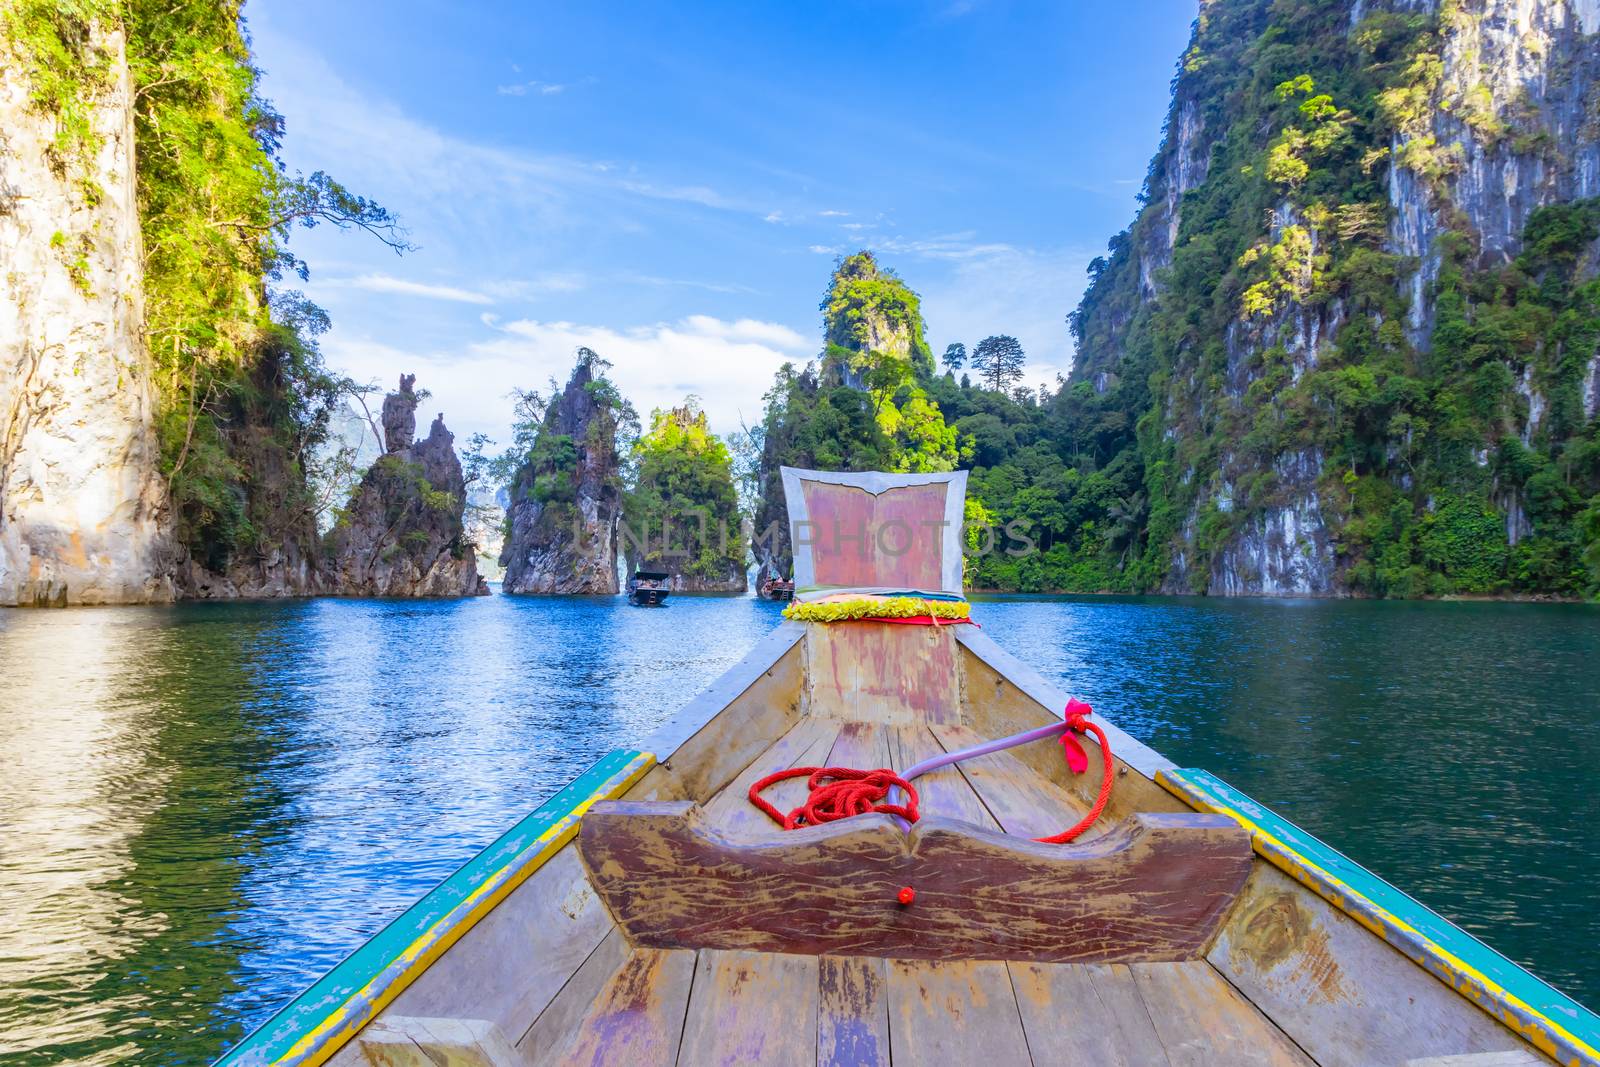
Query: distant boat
[[777, 589], [648, 589], [655, 912]]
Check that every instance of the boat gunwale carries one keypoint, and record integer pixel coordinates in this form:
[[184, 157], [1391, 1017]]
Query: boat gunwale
[[1400, 920], [317, 1023]]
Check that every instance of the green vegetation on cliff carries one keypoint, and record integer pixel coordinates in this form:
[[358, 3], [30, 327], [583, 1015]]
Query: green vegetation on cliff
[[866, 407], [243, 396], [1287, 356]]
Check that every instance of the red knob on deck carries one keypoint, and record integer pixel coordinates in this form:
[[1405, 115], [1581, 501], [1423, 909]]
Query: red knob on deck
[[906, 896]]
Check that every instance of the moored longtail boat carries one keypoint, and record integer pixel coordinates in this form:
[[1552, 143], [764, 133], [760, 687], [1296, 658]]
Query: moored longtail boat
[[656, 910]]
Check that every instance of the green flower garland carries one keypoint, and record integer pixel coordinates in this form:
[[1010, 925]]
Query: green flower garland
[[898, 607]]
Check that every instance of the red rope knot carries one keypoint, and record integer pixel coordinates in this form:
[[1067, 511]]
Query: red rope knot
[[1077, 716], [838, 793]]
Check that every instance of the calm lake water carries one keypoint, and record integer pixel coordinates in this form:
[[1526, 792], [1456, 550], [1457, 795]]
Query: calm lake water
[[205, 807]]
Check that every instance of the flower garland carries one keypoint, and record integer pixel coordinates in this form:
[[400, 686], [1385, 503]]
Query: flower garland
[[894, 607]]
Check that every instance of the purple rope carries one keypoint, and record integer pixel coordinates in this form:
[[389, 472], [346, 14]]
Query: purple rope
[[1038, 733]]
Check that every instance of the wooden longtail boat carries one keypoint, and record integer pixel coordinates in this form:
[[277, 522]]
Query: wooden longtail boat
[[651, 913]]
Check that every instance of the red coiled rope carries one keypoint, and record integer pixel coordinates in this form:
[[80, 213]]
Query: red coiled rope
[[840, 792]]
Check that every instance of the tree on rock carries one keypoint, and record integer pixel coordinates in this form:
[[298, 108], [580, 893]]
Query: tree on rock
[[999, 361], [682, 516], [566, 496], [955, 357]]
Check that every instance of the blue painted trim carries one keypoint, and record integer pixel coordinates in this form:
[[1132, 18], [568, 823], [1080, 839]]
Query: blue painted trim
[[1549, 1019], [313, 1026]]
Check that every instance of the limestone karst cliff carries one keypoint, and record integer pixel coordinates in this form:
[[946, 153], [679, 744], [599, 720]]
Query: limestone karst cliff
[[83, 509], [566, 497], [162, 397], [402, 533], [1351, 339], [861, 406]]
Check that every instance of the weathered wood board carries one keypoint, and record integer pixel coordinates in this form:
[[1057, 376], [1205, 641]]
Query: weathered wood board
[[883, 673], [1088, 1015], [1154, 889], [510, 965], [943, 792], [852, 1012], [1344, 995], [960, 1012], [750, 1007], [399, 1041], [1203, 1021], [623, 1006]]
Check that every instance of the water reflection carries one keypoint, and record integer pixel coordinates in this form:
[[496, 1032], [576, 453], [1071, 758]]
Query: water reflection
[[205, 807]]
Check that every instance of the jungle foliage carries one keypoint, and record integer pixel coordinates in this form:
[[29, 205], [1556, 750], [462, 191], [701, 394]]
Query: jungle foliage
[[683, 510]]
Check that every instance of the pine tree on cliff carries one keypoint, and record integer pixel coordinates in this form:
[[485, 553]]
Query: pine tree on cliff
[[566, 497], [682, 515]]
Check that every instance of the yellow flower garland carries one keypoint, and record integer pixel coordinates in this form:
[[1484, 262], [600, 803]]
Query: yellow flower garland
[[894, 607]]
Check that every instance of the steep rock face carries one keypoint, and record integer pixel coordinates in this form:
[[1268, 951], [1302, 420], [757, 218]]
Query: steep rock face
[[870, 318], [863, 405], [1305, 434], [82, 505], [566, 500], [402, 534]]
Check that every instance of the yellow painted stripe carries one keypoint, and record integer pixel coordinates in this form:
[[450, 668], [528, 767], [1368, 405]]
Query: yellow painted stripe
[[1460, 975], [320, 1043]]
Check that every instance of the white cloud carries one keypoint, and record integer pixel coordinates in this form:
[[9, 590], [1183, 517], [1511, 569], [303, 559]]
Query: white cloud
[[383, 283], [524, 88], [546, 282], [729, 364], [824, 250], [831, 214]]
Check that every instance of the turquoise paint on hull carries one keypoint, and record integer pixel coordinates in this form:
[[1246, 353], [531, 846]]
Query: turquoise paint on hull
[[1546, 1016], [362, 974]]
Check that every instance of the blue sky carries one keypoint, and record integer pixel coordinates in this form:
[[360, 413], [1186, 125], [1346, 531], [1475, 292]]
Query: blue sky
[[671, 183]]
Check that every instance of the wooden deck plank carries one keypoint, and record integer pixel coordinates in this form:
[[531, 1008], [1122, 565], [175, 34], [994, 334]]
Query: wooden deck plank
[[806, 744], [1022, 801], [407, 1042], [557, 911], [751, 1007], [633, 1014], [852, 1012], [944, 791], [862, 745], [1202, 1020], [1085, 1015], [560, 1019], [963, 1012]]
